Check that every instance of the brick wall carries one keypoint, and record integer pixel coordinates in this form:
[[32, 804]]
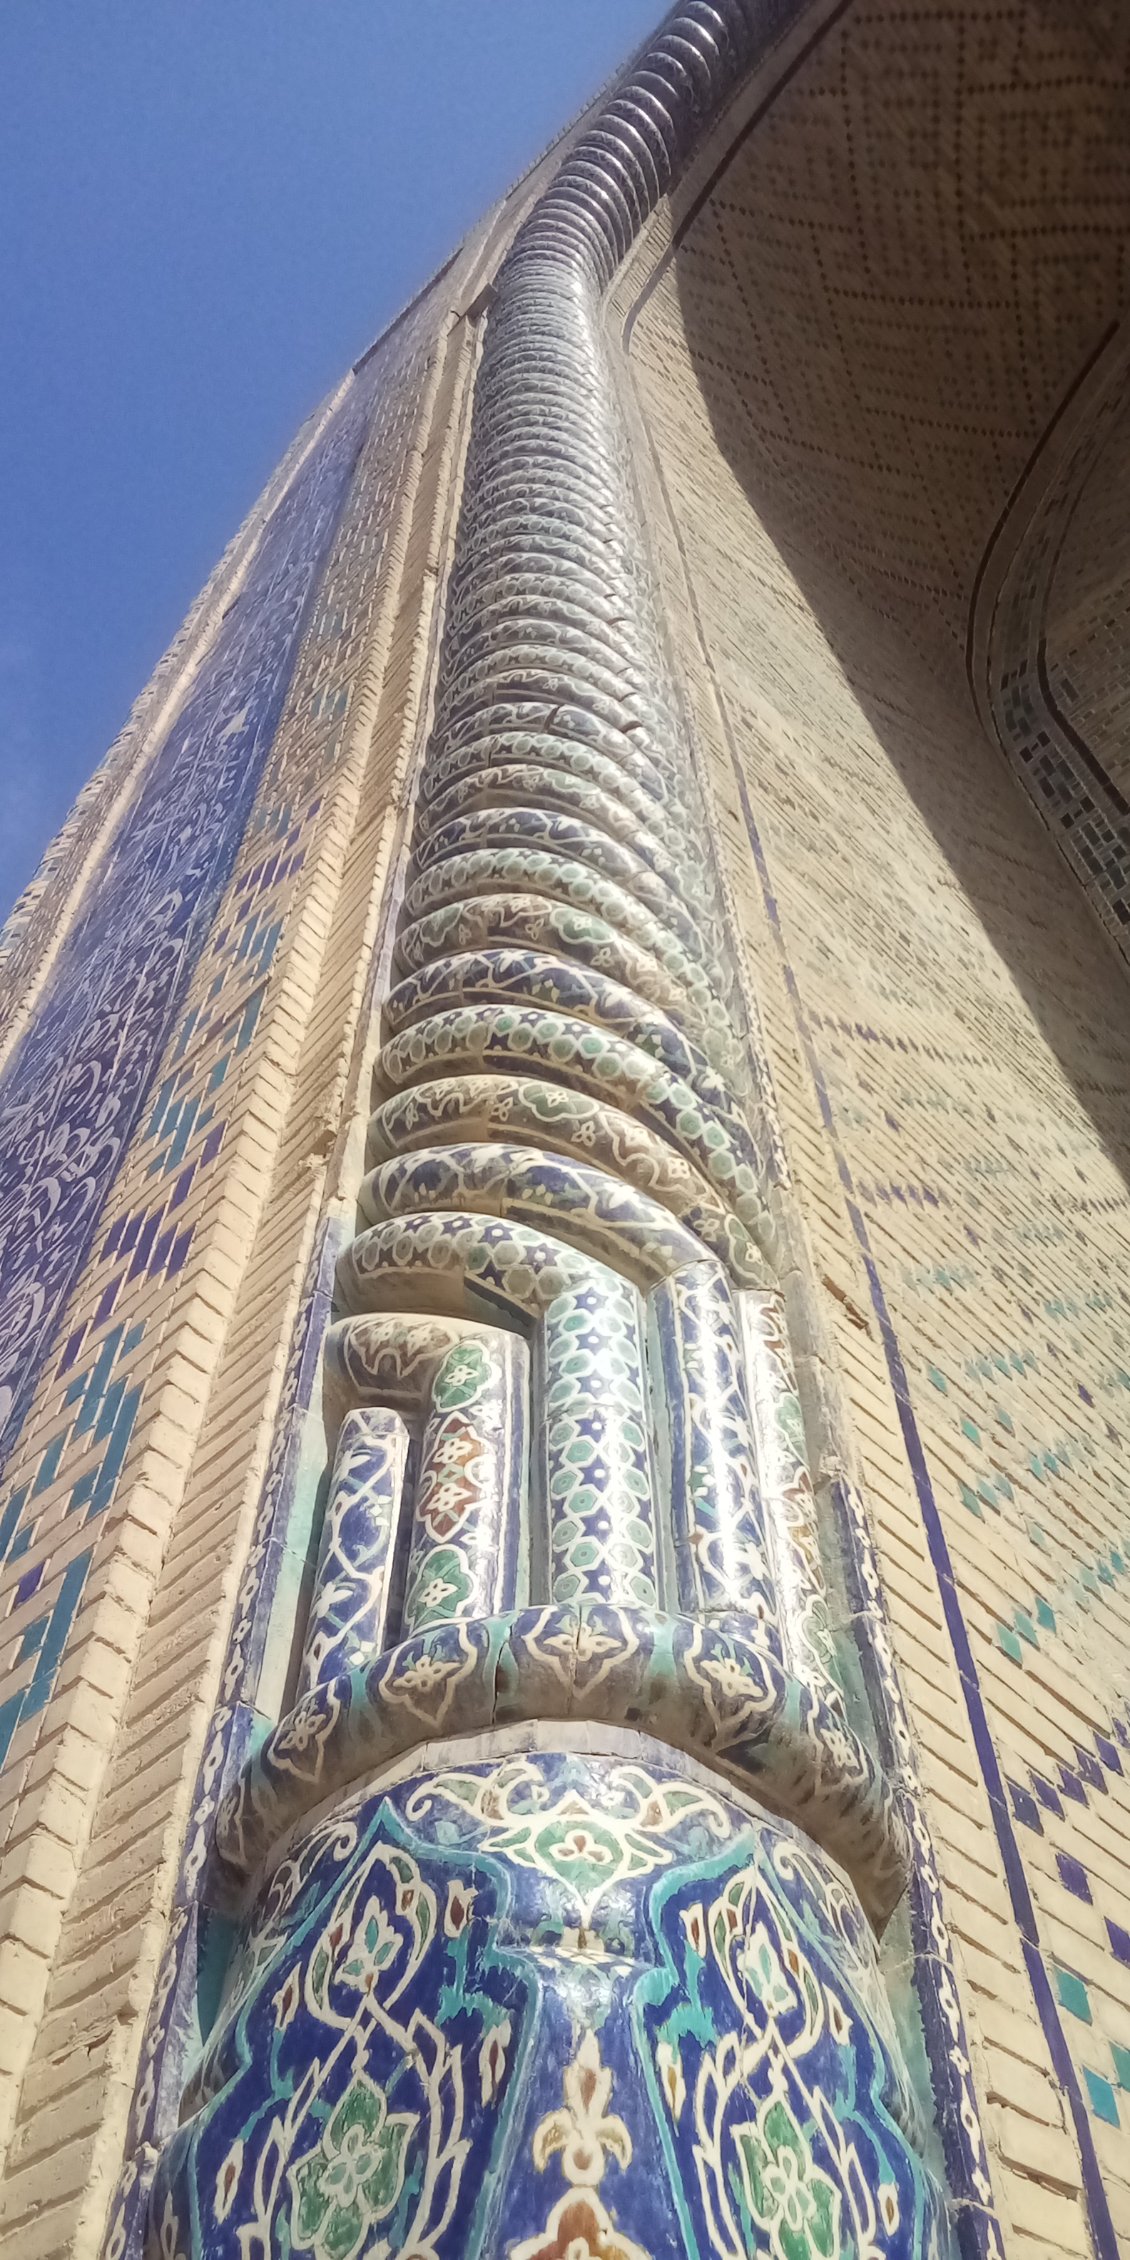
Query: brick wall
[[950, 1039]]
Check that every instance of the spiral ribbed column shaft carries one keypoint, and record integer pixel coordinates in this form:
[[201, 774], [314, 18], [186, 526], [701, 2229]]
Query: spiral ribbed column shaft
[[558, 758], [563, 1144], [562, 916], [565, 1241]]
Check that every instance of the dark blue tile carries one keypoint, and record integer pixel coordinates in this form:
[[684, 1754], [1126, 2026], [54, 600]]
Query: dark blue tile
[[1071, 1786], [1090, 1770], [1025, 1807], [1073, 1876], [1119, 1942], [29, 1584]]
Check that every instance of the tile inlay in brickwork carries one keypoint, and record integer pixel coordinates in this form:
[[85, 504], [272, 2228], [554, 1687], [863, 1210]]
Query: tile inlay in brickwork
[[968, 1029]]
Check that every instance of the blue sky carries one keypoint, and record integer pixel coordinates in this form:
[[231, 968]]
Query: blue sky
[[210, 207]]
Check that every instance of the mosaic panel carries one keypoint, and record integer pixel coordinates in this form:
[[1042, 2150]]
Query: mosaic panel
[[33, 925], [922, 348], [150, 1200], [73, 1091], [890, 355], [1087, 654]]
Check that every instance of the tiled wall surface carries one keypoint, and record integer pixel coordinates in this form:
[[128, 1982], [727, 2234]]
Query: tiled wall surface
[[913, 261], [133, 1472], [39, 921], [950, 1035], [74, 1086]]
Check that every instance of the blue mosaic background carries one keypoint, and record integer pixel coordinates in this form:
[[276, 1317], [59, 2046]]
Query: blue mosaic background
[[79, 1079], [521, 2005]]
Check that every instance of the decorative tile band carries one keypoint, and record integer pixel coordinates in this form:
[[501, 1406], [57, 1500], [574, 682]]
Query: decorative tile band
[[77, 1083], [304, 761], [348, 1615], [78, 1440], [710, 1693]]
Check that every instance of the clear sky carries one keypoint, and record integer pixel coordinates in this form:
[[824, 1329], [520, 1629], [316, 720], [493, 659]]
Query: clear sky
[[209, 208]]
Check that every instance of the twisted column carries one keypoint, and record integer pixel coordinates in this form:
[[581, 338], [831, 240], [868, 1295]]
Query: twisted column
[[566, 1232]]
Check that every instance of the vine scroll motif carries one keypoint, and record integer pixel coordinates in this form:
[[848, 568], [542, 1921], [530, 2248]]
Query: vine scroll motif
[[431, 1971]]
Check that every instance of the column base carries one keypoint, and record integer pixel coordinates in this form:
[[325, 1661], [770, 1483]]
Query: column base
[[558, 1993]]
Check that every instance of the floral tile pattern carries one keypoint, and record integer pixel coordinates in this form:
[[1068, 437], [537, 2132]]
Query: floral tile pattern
[[552, 2004]]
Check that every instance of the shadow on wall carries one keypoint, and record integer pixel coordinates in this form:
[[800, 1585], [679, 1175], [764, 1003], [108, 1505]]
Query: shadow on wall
[[875, 452]]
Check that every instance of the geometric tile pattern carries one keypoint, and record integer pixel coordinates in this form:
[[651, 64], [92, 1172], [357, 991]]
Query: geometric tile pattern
[[133, 1224], [917, 247], [1087, 659], [894, 360], [75, 1087], [965, 1023]]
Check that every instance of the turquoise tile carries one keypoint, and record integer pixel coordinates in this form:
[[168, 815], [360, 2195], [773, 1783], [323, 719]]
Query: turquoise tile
[[1073, 1995], [10, 1517], [33, 1638], [37, 1693], [1104, 2101], [9, 1721], [49, 1465]]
